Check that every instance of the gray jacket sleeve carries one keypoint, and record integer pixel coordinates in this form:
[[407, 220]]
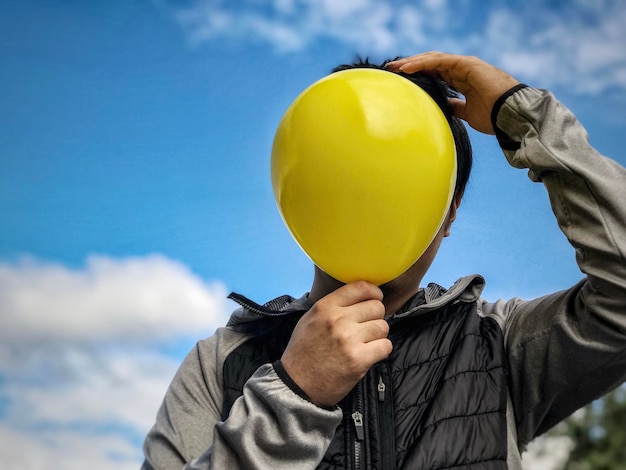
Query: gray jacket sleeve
[[567, 348], [270, 426]]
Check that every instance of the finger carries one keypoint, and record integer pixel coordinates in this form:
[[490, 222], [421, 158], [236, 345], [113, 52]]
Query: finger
[[375, 351], [452, 69], [355, 292], [396, 64], [373, 330], [428, 61], [366, 310], [458, 108]]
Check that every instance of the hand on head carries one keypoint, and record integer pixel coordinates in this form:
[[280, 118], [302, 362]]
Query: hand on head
[[481, 83]]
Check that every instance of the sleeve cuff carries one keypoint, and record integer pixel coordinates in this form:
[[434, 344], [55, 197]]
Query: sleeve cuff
[[506, 143], [293, 386]]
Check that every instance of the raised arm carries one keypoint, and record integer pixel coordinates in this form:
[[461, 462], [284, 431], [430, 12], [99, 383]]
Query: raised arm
[[567, 348]]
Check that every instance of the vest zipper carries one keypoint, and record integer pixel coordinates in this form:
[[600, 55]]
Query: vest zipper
[[384, 413], [357, 417], [359, 428]]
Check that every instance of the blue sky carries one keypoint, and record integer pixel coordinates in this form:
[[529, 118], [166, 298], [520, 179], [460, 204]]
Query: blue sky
[[135, 194]]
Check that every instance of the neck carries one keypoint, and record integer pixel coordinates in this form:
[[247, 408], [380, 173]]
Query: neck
[[395, 293]]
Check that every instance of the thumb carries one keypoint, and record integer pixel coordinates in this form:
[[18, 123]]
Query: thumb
[[458, 108], [478, 121]]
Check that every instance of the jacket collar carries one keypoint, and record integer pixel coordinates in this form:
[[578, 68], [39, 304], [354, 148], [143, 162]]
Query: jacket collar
[[466, 289]]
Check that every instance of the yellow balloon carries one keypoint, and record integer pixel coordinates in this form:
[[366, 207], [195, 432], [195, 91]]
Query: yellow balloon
[[363, 171]]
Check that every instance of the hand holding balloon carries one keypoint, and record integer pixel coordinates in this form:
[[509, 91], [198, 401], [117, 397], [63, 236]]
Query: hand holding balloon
[[337, 341]]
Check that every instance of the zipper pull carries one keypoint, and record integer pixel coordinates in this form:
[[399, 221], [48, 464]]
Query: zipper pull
[[358, 425], [381, 389]]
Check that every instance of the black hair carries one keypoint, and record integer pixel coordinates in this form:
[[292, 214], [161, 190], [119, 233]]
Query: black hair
[[441, 92]]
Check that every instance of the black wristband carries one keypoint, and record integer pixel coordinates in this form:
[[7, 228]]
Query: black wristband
[[288, 381], [506, 143], [293, 386]]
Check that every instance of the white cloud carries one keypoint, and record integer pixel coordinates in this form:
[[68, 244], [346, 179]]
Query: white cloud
[[292, 25], [66, 386], [136, 299], [81, 370], [80, 407], [582, 50], [75, 450], [580, 46]]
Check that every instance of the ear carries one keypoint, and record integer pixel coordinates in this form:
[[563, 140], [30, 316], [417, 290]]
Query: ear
[[454, 205]]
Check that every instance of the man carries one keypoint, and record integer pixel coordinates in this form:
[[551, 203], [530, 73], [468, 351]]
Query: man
[[360, 376]]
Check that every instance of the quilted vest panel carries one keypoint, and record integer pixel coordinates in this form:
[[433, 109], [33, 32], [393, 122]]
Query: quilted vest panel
[[443, 398]]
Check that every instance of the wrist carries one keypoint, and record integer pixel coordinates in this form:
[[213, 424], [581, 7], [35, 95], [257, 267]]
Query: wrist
[[506, 143], [282, 373], [288, 381]]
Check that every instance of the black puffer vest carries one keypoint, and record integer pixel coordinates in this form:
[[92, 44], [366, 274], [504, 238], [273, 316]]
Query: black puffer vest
[[437, 402]]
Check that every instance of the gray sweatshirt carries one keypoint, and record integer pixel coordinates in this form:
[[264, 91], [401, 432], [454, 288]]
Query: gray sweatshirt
[[564, 349]]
